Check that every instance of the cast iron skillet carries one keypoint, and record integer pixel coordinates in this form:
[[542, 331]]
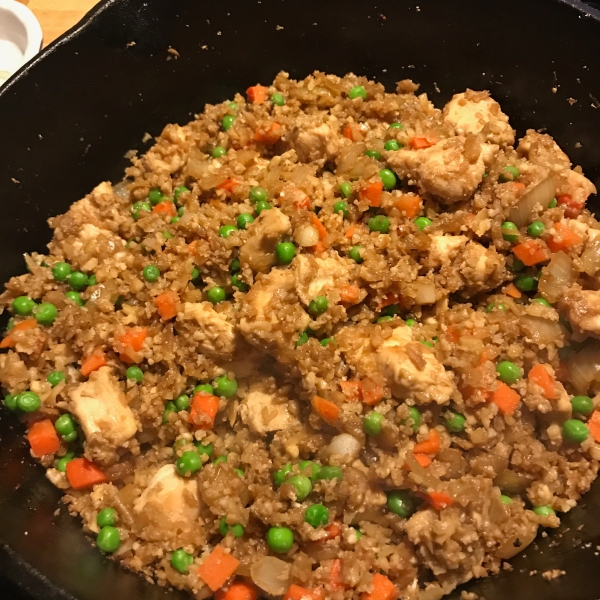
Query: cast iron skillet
[[68, 118]]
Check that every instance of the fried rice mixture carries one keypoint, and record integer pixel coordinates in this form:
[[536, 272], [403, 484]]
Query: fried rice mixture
[[324, 342]]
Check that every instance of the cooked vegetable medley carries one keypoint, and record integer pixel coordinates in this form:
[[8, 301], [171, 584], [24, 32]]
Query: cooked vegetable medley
[[323, 342]]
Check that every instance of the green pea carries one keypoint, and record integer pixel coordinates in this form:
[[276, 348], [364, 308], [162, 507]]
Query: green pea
[[302, 339], [232, 105], [175, 220], [167, 235], [553, 203], [23, 306], [330, 472], [280, 539], [45, 313], [195, 274], [65, 424], [28, 402], [490, 307], [227, 122], [235, 266], [182, 402], [517, 265], [341, 207], [285, 252], [345, 188], [281, 474], [422, 222], [61, 463], [244, 219], [226, 230], [316, 515], [427, 343], [70, 437], [542, 301], [151, 273], [526, 283], [181, 211], [391, 310], [388, 179], [258, 194], [155, 196], [204, 449], [10, 402], [55, 378], [262, 205], [237, 529], [10, 324], [78, 280], [536, 229], [74, 297], [302, 485], [188, 463], [218, 151], [326, 341], [372, 423], [582, 405], [181, 561], [384, 319], [575, 431], [220, 459], [139, 207], [508, 372], [505, 499], [61, 270], [204, 388], [216, 294], [277, 99], [392, 145], [544, 511], [401, 503], [455, 423], [225, 386], [169, 408], [509, 173], [510, 232], [358, 532], [396, 126], [415, 416], [237, 283], [180, 189], [379, 223], [318, 306], [107, 517], [109, 539], [354, 254], [410, 322], [358, 91], [310, 469], [373, 154]]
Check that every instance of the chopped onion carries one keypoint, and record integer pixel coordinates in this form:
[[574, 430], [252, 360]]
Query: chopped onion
[[590, 259], [541, 331], [271, 575], [540, 196], [344, 445], [306, 235], [425, 292], [300, 174], [584, 367], [557, 277]]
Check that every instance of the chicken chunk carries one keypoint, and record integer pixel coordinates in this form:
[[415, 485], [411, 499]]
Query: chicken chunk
[[541, 150], [451, 169], [579, 187], [258, 252], [480, 267], [316, 275], [583, 308], [101, 408], [315, 141], [477, 112], [444, 248], [264, 410], [216, 334]]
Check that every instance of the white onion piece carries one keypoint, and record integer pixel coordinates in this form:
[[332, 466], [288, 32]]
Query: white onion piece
[[425, 292], [541, 195], [271, 575], [590, 259], [557, 277], [306, 236], [584, 367], [540, 331], [344, 445], [300, 174]]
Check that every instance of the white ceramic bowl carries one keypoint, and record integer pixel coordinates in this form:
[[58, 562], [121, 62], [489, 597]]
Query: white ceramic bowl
[[20, 37]]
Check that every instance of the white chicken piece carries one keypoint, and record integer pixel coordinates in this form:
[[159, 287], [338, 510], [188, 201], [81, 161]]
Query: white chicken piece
[[315, 142], [264, 410], [583, 308], [101, 408], [444, 248], [216, 335], [451, 169], [477, 112], [170, 499], [258, 251], [316, 275], [480, 266], [541, 150]]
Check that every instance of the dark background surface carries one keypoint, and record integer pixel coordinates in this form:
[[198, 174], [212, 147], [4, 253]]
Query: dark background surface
[[67, 121]]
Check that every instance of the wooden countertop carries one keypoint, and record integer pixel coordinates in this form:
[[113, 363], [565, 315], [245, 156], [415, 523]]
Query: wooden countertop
[[56, 16]]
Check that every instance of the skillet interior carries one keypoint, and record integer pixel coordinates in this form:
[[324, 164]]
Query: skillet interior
[[71, 115]]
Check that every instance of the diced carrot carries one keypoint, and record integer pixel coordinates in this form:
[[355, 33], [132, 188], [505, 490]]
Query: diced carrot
[[320, 227], [93, 363], [371, 391], [301, 200], [517, 185], [238, 590], [335, 580], [134, 338], [327, 410], [512, 290], [563, 238], [43, 438], [332, 530], [192, 246], [431, 445], [422, 459], [217, 568], [166, 303], [389, 299], [319, 248], [531, 252], [372, 193], [347, 132], [204, 410], [383, 589], [9, 341], [418, 143], [571, 206], [228, 185], [594, 425], [350, 294], [540, 376], [409, 205], [166, 207], [296, 592], [351, 389], [268, 136], [257, 94], [506, 399], [439, 500], [453, 333], [352, 229], [483, 358], [83, 474]]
